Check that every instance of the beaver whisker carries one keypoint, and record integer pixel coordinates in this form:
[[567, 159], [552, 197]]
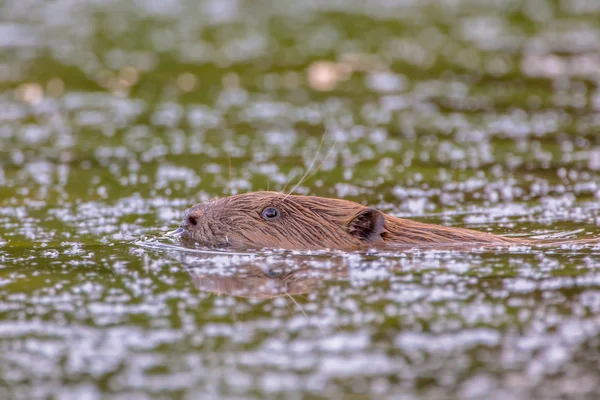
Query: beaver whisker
[[308, 170], [323, 160]]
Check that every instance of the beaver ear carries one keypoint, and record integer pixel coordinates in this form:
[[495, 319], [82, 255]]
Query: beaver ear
[[368, 225]]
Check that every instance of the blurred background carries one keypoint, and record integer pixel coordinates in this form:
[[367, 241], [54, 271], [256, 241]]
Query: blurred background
[[116, 116]]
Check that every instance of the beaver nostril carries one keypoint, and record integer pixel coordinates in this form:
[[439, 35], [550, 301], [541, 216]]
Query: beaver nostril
[[192, 220]]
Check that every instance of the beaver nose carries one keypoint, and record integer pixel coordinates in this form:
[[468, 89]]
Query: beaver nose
[[191, 220], [185, 226]]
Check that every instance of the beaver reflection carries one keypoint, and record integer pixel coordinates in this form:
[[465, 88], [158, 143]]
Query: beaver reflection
[[254, 282], [260, 280]]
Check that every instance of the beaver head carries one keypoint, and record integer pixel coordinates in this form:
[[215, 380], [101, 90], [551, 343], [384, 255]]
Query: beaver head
[[275, 220]]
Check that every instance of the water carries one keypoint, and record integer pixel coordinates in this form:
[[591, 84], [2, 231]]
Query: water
[[116, 116]]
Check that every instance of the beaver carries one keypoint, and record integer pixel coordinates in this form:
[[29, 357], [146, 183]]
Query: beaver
[[258, 220]]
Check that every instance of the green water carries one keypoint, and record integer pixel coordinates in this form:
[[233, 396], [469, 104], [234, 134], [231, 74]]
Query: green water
[[116, 116]]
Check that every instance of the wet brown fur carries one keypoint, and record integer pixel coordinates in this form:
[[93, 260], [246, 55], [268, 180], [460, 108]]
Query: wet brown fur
[[316, 223]]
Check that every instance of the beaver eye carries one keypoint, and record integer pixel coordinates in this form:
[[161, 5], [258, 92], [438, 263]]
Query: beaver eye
[[270, 213]]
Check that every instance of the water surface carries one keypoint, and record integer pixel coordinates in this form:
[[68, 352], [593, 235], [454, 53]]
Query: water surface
[[116, 116]]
